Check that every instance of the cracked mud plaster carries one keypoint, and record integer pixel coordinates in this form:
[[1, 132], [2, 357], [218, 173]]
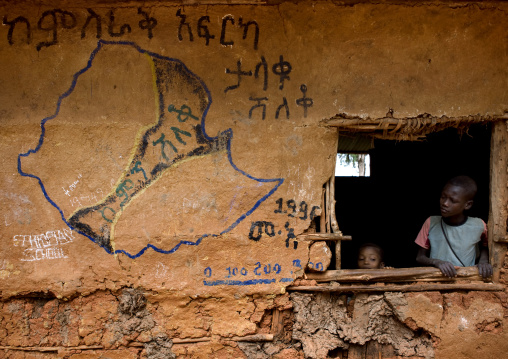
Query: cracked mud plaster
[[326, 321], [270, 350], [136, 319], [101, 319]]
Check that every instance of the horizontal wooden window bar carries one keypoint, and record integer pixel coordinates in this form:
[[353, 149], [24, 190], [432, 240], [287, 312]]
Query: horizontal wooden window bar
[[419, 274], [323, 237], [382, 287]]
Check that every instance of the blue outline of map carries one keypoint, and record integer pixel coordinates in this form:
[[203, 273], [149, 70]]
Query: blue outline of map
[[229, 132]]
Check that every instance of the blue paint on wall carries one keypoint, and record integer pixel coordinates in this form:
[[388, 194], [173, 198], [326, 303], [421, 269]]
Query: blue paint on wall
[[238, 282], [244, 282], [101, 44]]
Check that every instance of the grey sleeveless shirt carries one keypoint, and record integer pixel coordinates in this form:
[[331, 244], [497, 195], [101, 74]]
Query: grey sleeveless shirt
[[464, 239]]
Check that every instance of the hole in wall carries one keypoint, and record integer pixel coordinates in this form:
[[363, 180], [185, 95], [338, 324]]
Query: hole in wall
[[336, 353]]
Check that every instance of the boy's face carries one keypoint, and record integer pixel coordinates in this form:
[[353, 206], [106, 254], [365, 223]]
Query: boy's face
[[369, 258], [454, 201]]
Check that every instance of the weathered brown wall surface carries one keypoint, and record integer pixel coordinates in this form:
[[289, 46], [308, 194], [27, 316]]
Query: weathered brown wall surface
[[144, 147]]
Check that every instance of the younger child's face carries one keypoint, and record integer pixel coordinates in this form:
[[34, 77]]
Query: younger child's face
[[369, 258]]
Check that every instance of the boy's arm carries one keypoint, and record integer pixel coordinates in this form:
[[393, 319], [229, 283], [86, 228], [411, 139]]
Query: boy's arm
[[422, 240], [484, 267], [445, 267]]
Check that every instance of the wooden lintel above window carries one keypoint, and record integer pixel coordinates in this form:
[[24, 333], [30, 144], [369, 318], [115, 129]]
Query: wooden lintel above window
[[405, 129]]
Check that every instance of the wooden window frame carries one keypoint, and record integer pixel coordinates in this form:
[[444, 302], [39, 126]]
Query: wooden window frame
[[430, 278]]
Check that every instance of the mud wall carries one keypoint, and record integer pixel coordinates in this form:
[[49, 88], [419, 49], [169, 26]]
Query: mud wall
[[170, 156]]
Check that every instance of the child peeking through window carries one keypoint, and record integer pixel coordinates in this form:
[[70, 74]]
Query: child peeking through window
[[370, 256], [454, 239]]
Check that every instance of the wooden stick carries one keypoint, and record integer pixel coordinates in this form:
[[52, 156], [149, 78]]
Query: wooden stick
[[334, 223], [328, 207], [323, 237], [333, 217], [52, 349], [393, 275], [254, 338], [322, 219], [277, 322], [424, 287], [247, 338], [338, 255], [190, 340]]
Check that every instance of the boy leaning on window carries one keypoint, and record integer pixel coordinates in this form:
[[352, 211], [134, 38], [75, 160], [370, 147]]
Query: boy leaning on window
[[454, 239]]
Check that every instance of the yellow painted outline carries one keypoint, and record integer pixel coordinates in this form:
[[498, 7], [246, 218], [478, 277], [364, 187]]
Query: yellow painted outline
[[137, 140]]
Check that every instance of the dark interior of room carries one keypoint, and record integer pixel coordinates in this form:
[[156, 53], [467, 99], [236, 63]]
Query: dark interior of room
[[390, 206]]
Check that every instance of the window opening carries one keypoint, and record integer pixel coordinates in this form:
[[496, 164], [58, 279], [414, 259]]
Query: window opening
[[353, 159], [352, 165], [406, 179], [476, 143]]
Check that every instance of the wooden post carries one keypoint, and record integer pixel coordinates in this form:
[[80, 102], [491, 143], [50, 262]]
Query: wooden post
[[327, 205], [498, 196], [338, 256], [333, 223], [322, 219]]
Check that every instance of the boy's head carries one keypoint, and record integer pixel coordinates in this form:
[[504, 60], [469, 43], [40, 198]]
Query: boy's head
[[370, 256], [457, 196]]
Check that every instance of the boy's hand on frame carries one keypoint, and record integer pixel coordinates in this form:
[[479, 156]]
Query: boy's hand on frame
[[485, 269], [446, 268]]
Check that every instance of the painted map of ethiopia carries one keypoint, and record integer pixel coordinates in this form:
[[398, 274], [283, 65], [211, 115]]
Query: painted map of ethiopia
[[127, 162]]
